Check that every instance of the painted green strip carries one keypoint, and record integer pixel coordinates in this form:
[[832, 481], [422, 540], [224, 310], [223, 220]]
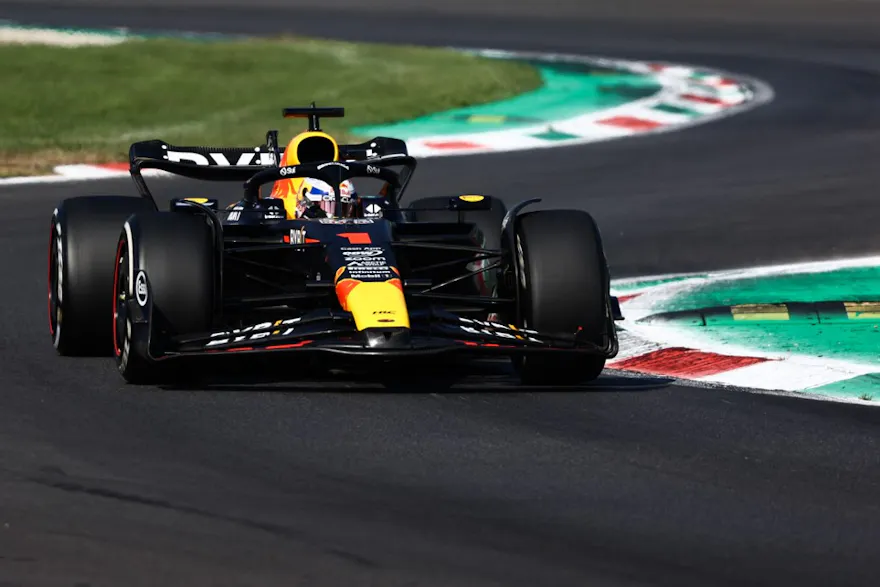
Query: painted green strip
[[552, 135], [832, 315], [851, 284], [845, 341], [866, 387], [672, 109], [567, 90]]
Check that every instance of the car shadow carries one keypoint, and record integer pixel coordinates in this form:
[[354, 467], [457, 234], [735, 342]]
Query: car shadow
[[479, 376]]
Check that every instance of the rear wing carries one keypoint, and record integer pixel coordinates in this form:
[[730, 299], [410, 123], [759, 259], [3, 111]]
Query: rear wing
[[242, 163], [233, 163], [209, 163]]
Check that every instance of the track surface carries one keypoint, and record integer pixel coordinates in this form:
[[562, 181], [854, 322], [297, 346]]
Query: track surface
[[629, 483]]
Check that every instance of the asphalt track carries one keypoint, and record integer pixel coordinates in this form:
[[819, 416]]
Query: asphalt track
[[624, 483]]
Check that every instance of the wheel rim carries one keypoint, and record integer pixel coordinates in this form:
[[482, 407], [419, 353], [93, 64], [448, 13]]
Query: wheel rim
[[120, 294]]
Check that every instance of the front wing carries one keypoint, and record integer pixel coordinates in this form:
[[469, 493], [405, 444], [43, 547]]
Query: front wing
[[430, 332]]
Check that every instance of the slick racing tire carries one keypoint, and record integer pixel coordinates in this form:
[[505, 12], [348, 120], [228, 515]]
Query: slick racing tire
[[82, 239], [176, 254], [563, 286]]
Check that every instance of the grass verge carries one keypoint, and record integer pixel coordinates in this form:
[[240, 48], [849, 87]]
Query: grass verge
[[88, 104]]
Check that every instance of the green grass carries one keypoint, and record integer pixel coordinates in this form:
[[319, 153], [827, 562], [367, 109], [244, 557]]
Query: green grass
[[88, 104]]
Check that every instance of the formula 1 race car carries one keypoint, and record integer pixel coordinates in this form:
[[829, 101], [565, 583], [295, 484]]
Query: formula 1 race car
[[361, 278]]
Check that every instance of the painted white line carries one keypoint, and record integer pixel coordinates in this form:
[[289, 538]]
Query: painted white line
[[30, 35], [792, 375], [39, 179]]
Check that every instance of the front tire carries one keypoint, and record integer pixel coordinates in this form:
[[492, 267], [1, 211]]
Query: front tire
[[83, 236], [563, 287], [176, 253]]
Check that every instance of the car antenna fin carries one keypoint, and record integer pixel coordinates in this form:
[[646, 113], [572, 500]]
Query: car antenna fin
[[272, 147], [314, 114], [314, 122]]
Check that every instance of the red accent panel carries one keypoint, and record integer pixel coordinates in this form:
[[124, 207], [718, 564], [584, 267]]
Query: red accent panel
[[452, 145], [703, 99], [627, 298], [343, 289], [114, 166], [356, 238], [681, 362], [294, 345], [631, 122]]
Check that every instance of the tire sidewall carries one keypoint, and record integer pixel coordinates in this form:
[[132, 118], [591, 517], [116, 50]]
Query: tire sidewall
[[56, 278]]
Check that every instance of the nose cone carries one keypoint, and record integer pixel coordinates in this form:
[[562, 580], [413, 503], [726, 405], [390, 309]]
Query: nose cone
[[374, 304], [387, 338]]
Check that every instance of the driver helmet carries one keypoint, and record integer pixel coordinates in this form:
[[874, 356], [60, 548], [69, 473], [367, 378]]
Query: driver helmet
[[309, 197]]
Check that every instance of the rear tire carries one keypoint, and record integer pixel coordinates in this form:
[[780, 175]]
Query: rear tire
[[563, 286], [176, 252], [84, 232]]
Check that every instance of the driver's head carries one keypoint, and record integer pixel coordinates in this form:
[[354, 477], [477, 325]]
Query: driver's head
[[308, 196], [315, 195]]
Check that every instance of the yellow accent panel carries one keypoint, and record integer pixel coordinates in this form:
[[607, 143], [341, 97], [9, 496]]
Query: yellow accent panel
[[472, 198], [372, 301], [290, 153], [198, 200], [760, 312], [490, 118], [862, 310]]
